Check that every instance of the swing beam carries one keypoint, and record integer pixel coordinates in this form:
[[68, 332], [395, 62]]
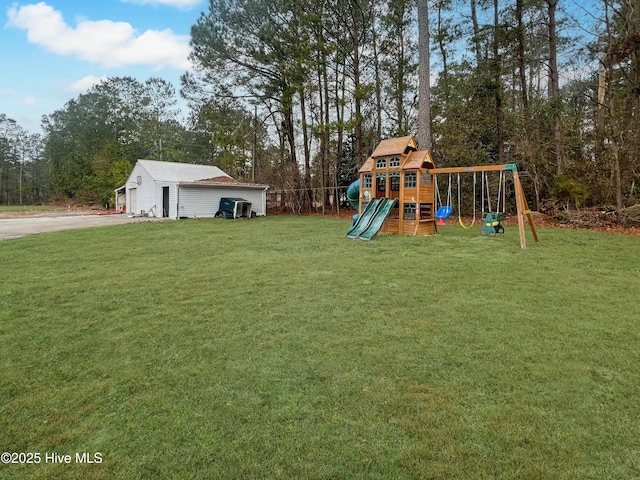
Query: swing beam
[[522, 208]]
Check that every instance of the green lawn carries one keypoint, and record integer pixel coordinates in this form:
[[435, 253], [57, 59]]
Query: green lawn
[[276, 348], [28, 208]]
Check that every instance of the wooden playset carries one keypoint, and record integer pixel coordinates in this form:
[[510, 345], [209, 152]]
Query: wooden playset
[[397, 193]]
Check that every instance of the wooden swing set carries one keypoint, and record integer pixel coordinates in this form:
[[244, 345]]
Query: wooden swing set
[[397, 192], [490, 217]]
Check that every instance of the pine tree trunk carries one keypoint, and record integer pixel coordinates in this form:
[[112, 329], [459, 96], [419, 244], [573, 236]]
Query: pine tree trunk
[[476, 33], [378, 85], [424, 74], [355, 37], [498, 86], [554, 87]]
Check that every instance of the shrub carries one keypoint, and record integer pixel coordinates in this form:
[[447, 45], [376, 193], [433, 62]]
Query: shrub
[[569, 190]]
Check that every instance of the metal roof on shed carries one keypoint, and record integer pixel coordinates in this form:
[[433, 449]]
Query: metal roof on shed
[[180, 172], [207, 184]]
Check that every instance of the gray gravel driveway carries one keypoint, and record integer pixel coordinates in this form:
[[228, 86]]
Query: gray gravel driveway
[[19, 227]]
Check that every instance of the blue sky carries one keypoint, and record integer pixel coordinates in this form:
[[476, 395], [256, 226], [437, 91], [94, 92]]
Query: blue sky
[[53, 50]]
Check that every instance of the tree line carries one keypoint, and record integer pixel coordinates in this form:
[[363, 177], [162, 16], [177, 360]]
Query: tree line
[[297, 94]]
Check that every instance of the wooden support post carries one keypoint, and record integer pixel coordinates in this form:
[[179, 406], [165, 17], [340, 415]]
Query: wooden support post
[[522, 209]]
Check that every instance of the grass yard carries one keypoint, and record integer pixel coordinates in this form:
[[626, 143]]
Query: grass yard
[[276, 348], [28, 208]]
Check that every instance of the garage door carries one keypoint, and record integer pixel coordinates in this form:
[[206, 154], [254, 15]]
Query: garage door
[[133, 201], [198, 202]]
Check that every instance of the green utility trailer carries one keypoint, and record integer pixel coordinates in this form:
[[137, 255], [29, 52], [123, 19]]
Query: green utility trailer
[[235, 208]]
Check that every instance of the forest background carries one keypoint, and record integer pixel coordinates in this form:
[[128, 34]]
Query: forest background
[[297, 93]]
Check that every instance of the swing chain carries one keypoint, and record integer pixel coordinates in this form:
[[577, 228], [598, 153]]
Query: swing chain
[[474, 203]]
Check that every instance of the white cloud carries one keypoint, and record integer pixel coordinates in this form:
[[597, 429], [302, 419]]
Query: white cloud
[[183, 4], [29, 101], [112, 44], [85, 83]]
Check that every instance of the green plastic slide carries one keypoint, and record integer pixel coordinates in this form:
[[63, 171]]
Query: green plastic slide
[[378, 219], [363, 220], [369, 223]]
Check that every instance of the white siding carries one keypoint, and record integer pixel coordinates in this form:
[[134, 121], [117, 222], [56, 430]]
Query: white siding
[[257, 197], [198, 202], [145, 191], [132, 199], [173, 199], [201, 201]]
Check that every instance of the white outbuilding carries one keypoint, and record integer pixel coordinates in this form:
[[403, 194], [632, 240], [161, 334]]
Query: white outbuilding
[[184, 190]]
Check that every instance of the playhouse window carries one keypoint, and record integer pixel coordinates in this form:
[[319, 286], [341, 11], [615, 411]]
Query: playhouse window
[[381, 163], [381, 180], [366, 180], [410, 179], [394, 162], [425, 179], [409, 211], [426, 210], [395, 182]]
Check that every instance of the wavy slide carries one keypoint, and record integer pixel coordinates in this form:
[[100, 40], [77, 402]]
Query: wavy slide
[[367, 225]]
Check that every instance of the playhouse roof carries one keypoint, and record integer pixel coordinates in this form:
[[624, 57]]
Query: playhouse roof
[[413, 161], [368, 165], [416, 160], [395, 146]]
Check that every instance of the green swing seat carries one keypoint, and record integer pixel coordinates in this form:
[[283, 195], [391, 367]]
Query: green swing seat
[[491, 223]]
